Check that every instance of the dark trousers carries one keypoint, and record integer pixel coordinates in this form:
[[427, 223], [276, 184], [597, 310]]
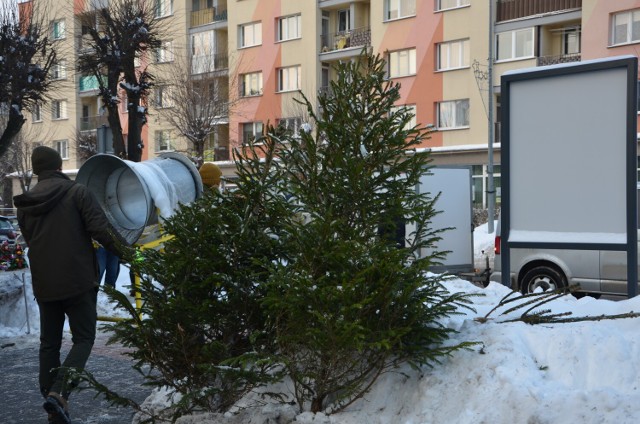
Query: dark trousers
[[82, 314], [109, 265]]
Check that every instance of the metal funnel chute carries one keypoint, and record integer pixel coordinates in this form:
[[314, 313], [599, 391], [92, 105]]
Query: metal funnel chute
[[133, 194]]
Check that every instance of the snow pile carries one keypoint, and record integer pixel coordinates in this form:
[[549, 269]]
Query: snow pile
[[584, 372]]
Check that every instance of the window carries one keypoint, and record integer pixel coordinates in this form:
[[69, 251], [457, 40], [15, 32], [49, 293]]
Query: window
[[515, 44], [57, 29], [251, 84], [453, 55], [163, 140], [451, 4], [59, 70], [289, 28], [344, 20], [402, 63], [62, 146], [411, 109], [163, 8], [36, 113], [251, 34], [571, 41], [480, 181], [453, 114], [625, 27], [289, 78], [164, 53], [163, 96], [59, 109], [290, 124], [396, 9], [250, 131]]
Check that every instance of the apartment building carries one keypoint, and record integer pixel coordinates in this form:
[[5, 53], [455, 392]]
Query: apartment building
[[268, 51]]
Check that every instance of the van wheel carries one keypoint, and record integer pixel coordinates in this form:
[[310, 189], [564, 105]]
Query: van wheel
[[542, 277]]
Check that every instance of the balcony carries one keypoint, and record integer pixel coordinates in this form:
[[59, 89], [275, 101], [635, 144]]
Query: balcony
[[563, 58], [209, 63], [353, 40], [515, 9], [91, 123], [208, 16]]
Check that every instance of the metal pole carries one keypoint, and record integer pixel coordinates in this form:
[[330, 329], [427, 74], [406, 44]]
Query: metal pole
[[26, 303], [491, 193]]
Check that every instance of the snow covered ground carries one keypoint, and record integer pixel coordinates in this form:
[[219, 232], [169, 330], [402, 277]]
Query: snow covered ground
[[586, 372]]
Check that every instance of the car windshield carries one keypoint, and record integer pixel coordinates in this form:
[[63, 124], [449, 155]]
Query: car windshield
[[5, 225]]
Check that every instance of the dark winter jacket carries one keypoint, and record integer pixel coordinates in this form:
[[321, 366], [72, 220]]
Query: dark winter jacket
[[58, 219]]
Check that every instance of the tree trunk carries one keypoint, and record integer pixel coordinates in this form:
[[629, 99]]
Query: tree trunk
[[14, 125]]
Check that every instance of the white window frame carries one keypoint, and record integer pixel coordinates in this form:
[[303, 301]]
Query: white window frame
[[36, 113], [293, 124], [513, 36], [251, 84], [62, 146], [289, 78], [164, 53], [572, 37], [399, 9], [343, 16], [163, 97], [59, 70], [453, 55], [454, 111], [289, 28], [451, 4], [251, 38], [256, 129], [58, 109], [163, 8], [402, 63], [58, 29], [409, 108], [631, 16], [163, 141]]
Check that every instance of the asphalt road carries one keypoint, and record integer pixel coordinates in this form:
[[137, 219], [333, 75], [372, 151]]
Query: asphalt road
[[21, 402]]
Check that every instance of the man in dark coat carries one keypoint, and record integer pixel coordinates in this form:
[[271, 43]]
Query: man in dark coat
[[59, 219]]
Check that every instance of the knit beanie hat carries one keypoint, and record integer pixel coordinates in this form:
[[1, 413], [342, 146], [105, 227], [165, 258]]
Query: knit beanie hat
[[45, 158], [210, 174]]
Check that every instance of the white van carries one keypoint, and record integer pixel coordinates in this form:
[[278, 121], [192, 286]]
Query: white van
[[594, 271]]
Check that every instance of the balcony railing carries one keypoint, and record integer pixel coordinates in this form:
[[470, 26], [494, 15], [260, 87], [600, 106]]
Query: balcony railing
[[359, 37], [209, 63], [207, 16], [514, 9], [89, 123], [563, 58]]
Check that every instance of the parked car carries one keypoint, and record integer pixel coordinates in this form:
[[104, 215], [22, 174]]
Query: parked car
[[594, 271], [7, 231]]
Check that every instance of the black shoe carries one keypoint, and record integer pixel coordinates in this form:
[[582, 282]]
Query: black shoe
[[56, 407]]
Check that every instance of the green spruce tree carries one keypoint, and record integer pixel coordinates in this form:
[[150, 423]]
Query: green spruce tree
[[201, 329], [350, 304]]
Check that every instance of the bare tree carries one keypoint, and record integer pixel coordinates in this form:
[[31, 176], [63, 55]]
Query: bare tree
[[16, 161], [26, 55], [118, 34], [195, 99], [86, 144]]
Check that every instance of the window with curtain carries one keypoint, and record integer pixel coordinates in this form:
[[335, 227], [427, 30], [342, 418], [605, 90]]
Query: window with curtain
[[289, 28], [251, 84], [250, 34], [453, 55], [402, 63], [625, 27], [453, 114]]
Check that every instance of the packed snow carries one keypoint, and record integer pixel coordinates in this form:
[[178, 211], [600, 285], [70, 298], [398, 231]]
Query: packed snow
[[582, 372]]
